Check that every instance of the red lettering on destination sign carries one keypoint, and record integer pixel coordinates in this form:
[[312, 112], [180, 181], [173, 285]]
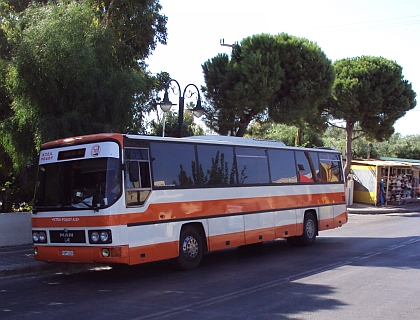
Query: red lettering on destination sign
[[46, 156]]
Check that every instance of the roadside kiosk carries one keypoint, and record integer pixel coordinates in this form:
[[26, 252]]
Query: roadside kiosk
[[385, 181]]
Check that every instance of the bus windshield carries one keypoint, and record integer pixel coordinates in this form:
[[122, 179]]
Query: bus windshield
[[78, 184]]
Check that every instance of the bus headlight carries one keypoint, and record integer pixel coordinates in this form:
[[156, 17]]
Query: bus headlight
[[100, 236], [94, 236], [39, 237], [104, 236], [42, 237]]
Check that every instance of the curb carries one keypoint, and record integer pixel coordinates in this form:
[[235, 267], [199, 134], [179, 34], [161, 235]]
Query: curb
[[381, 210]]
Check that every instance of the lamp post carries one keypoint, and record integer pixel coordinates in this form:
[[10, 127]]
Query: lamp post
[[166, 104]]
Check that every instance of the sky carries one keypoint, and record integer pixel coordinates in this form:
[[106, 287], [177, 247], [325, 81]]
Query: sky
[[341, 28]]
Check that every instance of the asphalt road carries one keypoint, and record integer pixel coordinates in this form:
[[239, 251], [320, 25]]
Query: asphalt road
[[368, 269]]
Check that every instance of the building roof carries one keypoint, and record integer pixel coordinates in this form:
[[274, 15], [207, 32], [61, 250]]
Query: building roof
[[387, 163], [400, 159]]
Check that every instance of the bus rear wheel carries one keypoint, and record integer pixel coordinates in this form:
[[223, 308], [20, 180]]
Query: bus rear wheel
[[310, 230], [191, 248]]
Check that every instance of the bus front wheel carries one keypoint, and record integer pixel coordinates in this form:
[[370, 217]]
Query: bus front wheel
[[190, 249]]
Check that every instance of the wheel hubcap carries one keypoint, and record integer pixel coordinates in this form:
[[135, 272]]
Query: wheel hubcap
[[190, 247], [310, 229]]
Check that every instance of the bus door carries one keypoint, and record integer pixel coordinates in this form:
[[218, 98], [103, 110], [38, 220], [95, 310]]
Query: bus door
[[137, 176]]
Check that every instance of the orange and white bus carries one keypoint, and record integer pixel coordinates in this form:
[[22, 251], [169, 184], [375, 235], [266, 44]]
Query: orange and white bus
[[130, 199]]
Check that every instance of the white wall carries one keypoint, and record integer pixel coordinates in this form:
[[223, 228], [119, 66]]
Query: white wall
[[15, 229]]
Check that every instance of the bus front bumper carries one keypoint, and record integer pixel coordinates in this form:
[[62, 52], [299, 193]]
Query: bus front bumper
[[85, 254]]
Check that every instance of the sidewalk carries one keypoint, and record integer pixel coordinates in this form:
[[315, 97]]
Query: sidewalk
[[361, 208], [19, 260]]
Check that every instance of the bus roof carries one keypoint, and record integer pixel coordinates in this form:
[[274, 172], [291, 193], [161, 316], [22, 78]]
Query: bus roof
[[81, 139], [239, 140], [211, 139], [230, 140]]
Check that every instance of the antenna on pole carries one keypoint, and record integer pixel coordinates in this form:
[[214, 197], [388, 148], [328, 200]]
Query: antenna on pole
[[223, 44]]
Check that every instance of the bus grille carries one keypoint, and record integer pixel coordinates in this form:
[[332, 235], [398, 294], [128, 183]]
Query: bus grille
[[67, 236]]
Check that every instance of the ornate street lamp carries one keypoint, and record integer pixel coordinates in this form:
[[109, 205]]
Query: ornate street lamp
[[166, 104]]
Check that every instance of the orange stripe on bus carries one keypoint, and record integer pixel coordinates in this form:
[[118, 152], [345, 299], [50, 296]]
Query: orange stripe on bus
[[236, 239], [159, 251], [332, 223], [193, 210], [224, 241], [268, 234], [288, 230], [180, 210], [259, 235], [341, 219]]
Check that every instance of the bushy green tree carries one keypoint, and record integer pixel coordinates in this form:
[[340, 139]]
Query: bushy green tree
[[280, 77], [334, 137], [396, 146], [369, 92], [71, 73], [74, 67], [287, 134]]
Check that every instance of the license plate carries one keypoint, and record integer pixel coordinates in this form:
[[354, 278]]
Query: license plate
[[67, 253]]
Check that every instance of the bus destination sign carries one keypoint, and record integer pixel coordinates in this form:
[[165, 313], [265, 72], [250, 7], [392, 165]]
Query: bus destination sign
[[71, 154]]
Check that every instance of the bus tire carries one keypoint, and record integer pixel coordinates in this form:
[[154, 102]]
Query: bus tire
[[310, 230], [191, 247]]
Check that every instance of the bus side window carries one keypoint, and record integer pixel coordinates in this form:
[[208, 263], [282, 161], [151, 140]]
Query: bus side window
[[216, 165], [314, 162], [252, 165], [133, 171], [282, 166], [137, 176], [174, 164], [145, 175], [330, 167], [307, 165]]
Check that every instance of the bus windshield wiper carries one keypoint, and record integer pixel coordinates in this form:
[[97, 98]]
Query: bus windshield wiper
[[57, 207], [88, 205]]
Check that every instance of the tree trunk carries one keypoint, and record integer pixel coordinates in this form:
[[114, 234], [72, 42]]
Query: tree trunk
[[244, 124], [349, 154], [298, 135], [241, 130]]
